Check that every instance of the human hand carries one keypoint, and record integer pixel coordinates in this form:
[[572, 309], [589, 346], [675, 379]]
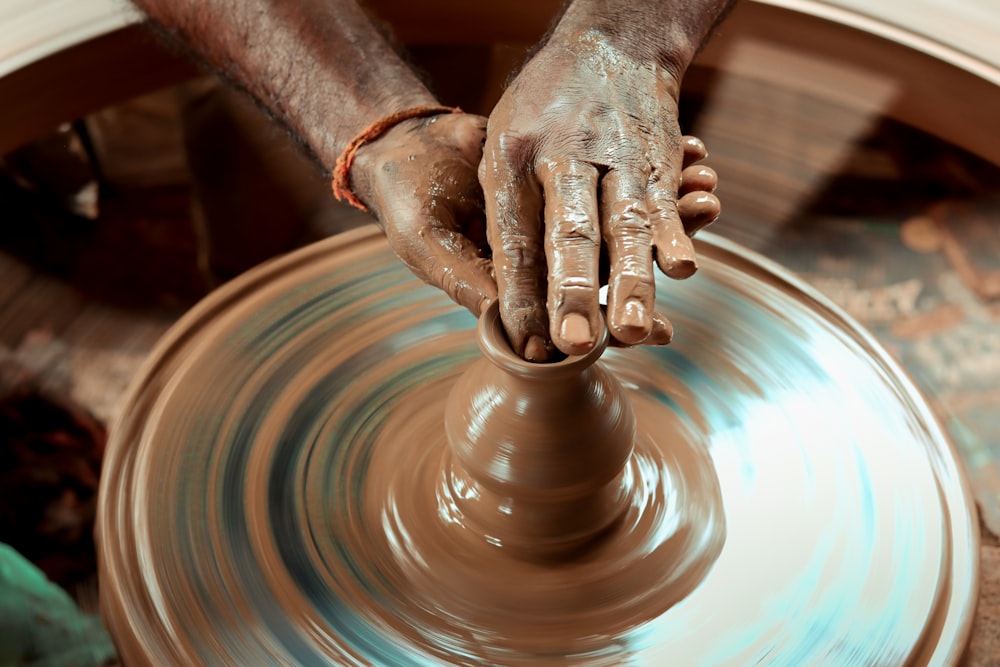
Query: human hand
[[584, 158], [420, 181]]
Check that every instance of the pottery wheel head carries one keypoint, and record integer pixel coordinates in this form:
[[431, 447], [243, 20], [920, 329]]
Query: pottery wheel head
[[265, 496]]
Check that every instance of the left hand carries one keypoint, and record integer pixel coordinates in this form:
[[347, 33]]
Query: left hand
[[584, 154], [419, 179]]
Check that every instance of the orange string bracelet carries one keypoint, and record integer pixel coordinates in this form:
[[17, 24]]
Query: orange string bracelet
[[341, 172]]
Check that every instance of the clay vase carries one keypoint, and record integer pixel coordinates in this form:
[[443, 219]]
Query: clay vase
[[538, 450]]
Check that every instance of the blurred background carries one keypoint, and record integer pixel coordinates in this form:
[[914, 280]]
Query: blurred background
[[858, 146]]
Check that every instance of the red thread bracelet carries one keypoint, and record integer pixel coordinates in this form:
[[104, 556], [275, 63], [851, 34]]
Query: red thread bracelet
[[341, 172]]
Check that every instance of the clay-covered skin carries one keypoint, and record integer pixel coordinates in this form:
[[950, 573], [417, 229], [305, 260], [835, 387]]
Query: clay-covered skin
[[326, 74], [420, 181], [696, 203], [584, 157], [558, 191]]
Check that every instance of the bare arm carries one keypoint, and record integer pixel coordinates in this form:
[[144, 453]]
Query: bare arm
[[318, 66], [323, 70]]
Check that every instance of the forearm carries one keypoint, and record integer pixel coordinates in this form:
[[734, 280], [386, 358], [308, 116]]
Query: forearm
[[666, 32], [319, 66]]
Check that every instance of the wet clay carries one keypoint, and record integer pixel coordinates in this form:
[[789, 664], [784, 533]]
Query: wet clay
[[550, 516], [281, 489], [538, 450]]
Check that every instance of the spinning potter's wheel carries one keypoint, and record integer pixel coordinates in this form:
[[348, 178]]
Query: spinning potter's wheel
[[273, 496]]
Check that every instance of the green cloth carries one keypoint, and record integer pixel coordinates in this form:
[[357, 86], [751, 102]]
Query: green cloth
[[40, 624]]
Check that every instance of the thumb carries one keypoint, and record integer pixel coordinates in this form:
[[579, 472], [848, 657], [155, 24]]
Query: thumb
[[447, 259]]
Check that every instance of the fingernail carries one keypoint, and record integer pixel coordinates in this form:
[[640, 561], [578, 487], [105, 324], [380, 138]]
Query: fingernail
[[633, 315], [682, 267], [696, 145], [661, 334], [575, 330], [677, 257], [536, 350], [631, 326]]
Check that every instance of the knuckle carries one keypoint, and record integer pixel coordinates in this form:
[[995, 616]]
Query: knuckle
[[572, 224], [628, 217], [662, 185], [662, 208], [575, 288], [514, 147], [521, 252], [634, 274], [575, 232], [578, 294]]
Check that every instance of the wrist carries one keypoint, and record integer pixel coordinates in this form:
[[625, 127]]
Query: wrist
[[667, 33], [330, 136], [596, 50], [361, 177], [384, 141]]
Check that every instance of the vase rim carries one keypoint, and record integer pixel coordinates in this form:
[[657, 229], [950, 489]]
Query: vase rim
[[496, 347]]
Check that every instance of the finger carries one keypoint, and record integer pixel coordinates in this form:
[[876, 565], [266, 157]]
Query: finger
[[628, 237], [572, 250], [698, 210], [693, 150], [514, 228], [674, 251], [446, 259], [696, 205], [698, 177], [661, 333]]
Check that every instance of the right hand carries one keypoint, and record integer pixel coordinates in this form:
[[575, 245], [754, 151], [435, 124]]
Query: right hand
[[584, 161]]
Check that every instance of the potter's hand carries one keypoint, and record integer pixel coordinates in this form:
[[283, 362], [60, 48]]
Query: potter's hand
[[584, 158], [327, 73], [419, 179], [584, 149]]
